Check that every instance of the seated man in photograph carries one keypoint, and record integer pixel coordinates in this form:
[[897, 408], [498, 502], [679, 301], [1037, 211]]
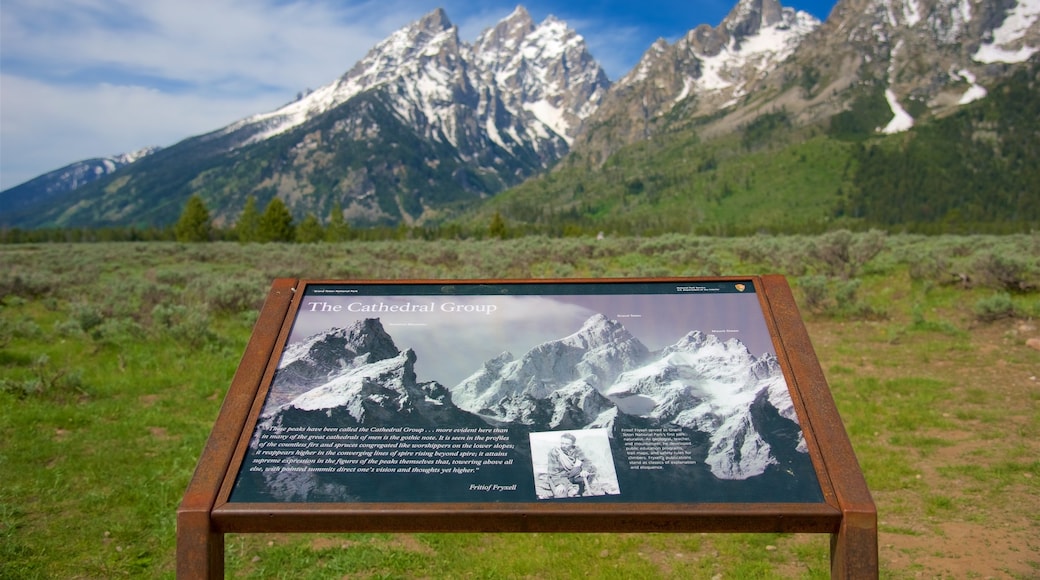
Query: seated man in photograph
[[570, 471]]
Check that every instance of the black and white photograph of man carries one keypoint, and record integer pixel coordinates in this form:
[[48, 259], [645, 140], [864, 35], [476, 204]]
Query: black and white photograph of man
[[572, 464]]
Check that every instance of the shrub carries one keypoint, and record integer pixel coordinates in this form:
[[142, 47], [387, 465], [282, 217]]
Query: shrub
[[814, 292], [46, 381], [190, 326], [86, 316], [118, 331], [231, 295], [12, 329], [929, 267], [835, 298], [27, 285], [1005, 272], [994, 307], [842, 253]]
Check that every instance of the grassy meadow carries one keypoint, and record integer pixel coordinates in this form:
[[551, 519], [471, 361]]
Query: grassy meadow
[[115, 358]]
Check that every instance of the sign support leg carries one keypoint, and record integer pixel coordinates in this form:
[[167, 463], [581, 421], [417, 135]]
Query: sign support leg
[[854, 549], [200, 548]]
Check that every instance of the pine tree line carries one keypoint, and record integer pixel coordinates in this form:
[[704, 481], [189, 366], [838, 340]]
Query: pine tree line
[[274, 224]]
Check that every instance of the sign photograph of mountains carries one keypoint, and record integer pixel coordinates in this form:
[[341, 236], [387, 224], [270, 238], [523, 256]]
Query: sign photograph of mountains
[[912, 114]]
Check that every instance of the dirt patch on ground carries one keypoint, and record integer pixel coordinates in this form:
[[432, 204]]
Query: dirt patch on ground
[[971, 506], [398, 542]]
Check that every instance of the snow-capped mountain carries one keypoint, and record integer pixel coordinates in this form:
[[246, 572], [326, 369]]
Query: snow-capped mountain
[[427, 123], [923, 58], [356, 376], [504, 107], [725, 60], [700, 383], [704, 384], [52, 185], [585, 361], [319, 358], [707, 70], [542, 71], [519, 84], [423, 121]]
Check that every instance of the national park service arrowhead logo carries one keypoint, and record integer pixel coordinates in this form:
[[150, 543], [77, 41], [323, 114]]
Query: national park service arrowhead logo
[[740, 287]]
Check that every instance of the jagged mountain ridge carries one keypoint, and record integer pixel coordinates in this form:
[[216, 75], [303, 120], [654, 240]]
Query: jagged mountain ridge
[[435, 80], [928, 56], [588, 359], [707, 70], [357, 375], [919, 58]]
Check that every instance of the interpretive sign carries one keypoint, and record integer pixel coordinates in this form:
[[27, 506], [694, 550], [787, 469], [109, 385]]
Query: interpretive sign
[[555, 405]]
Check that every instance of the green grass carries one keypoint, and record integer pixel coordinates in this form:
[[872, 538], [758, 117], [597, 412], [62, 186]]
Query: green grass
[[114, 360], [525, 556]]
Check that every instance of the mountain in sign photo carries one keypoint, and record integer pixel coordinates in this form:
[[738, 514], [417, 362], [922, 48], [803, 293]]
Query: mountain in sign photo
[[733, 407], [700, 383], [357, 376], [558, 384]]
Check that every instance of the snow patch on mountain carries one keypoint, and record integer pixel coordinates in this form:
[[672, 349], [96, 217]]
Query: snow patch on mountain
[[974, 92], [1002, 48], [901, 120]]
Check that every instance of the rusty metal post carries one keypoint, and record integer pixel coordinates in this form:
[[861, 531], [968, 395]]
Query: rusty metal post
[[200, 544]]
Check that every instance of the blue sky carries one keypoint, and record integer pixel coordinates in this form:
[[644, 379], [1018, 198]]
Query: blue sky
[[89, 78]]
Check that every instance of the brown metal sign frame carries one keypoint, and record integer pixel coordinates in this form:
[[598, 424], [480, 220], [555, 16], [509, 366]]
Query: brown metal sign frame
[[847, 512]]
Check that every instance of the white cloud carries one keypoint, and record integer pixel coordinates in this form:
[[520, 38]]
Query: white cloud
[[87, 78], [198, 42], [47, 126]]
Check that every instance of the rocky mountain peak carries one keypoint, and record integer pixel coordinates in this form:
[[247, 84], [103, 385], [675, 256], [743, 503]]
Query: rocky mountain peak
[[369, 337], [750, 16], [436, 21], [507, 34], [590, 358], [404, 51], [332, 350], [540, 72], [598, 330], [706, 71]]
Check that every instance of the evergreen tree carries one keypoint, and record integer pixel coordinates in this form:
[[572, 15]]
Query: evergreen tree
[[276, 223], [247, 229], [193, 225], [338, 230], [310, 230], [497, 228]]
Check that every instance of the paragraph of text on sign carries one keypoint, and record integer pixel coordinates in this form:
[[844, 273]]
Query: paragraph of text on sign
[[654, 448], [458, 450]]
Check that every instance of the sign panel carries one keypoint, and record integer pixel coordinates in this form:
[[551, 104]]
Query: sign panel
[[660, 391]]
